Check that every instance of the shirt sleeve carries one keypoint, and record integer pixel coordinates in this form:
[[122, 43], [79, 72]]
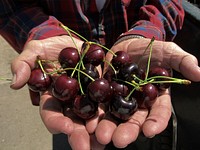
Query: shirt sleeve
[[22, 21], [49, 28], [159, 19]]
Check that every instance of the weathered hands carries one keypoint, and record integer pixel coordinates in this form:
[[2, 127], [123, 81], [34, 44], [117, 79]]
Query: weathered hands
[[93, 133], [155, 121]]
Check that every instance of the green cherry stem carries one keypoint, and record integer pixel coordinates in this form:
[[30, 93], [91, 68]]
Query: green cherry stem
[[72, 74], [5, 79], [79, 80], [48, 61], [84, 53], [140, 80], [168, 80], [79, 71], [177, 82], [150, 43], [70, 30], [149, 59], [128, 96], [52, 63], [110, 65], [107, 49], [78, 65], [40, 62], [41, 66], [62, 70], [132, 83]]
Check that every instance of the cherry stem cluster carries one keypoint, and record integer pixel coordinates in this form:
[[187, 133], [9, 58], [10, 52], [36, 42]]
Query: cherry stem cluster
[[137, 86]]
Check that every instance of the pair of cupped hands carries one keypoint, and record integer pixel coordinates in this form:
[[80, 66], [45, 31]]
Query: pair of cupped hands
[[102, 129]]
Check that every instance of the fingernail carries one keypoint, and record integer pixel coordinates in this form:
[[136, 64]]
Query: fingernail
[[13, 79]]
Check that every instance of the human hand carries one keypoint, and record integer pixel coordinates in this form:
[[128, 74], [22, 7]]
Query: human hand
[[154, 121], [54, 117]]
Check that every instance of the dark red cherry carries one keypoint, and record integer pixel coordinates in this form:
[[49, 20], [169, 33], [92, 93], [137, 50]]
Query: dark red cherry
[[147, 96], [109, 75], [35, 98], [119, 89], [91, 71], [160, 71], [95, 55], [65, 88], [121, 108], [141, 74], [121, 59], [84, 107], [100, 90], [39, 81], [69, 57], [127, 71]]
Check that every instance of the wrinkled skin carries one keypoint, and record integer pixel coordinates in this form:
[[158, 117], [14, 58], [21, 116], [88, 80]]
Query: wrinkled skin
[[100, 130]]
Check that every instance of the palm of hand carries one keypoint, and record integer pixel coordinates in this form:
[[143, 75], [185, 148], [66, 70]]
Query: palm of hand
[[150, 122], [51, 110]]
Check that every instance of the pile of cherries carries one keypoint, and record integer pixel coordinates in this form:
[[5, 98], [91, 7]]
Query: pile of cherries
[[123, 88]]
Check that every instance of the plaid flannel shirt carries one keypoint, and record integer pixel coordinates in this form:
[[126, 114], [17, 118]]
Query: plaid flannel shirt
[[24, 20]]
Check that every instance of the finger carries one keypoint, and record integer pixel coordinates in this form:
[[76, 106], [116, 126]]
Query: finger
[[52, 116], [79, 139], [105, 130], [158, 117], [183, 62], [99, 69], [21, 69], [91, 124], [95, 145], [189, 68], [128, 132]]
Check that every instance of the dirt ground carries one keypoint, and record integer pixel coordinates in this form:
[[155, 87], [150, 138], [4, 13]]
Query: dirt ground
[[20, 125]]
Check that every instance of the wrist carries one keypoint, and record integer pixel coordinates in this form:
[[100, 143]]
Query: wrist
[[47, 29], [127, 37]]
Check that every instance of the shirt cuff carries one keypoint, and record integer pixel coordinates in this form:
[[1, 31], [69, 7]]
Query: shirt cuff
[[47, 29], [127, 37], [143, 30]]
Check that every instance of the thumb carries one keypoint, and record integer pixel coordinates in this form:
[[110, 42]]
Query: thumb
[[21, 70], [189, 68]]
